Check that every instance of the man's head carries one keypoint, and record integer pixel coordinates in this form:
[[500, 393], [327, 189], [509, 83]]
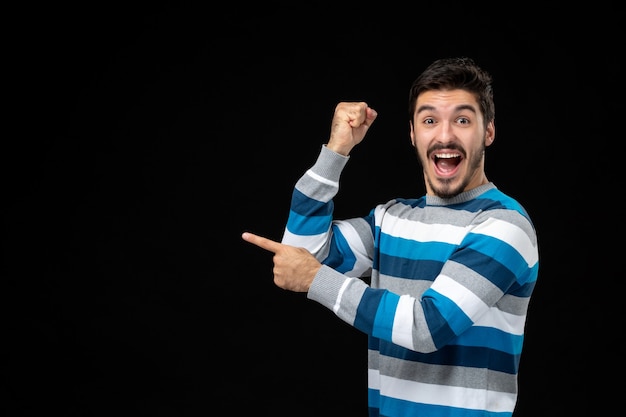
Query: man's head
[[456, 73], [452, 116]]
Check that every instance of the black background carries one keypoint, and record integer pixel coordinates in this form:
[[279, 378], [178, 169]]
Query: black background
[[145, 140]]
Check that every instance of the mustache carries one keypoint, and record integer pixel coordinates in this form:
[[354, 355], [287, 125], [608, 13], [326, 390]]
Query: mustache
[[447, 146]]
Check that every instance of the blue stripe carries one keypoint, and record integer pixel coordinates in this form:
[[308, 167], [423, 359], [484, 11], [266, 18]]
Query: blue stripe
[[501, 201], [533, 273], [409, 268], [524, 290], [492, 338], [439, 307], [373, 400], [307, 225], [366, 311], [308, 216], [457, 355], [305, 205], [383, 322], [411, 249], [373, 343], [438, 327], [412, 202], [499, 250], [341, 256], [487, 266], [395, 407]]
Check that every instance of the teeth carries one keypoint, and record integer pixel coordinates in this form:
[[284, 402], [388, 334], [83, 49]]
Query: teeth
[[446, 155]]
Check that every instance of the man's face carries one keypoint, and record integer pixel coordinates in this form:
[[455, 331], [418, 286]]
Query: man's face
[[448, 134]]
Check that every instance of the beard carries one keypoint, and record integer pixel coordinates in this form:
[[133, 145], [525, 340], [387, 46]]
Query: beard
[[445, 188]]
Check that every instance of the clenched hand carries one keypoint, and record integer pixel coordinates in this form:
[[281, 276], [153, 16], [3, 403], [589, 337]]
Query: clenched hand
[[350, 123]]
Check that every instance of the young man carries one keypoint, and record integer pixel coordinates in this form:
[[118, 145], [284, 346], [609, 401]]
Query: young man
[[441, 283]]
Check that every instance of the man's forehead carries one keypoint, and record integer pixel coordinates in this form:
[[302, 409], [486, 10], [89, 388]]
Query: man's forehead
[[446, 99]]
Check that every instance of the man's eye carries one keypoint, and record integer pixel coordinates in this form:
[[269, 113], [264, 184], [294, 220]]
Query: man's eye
[[429, 121], [463, 120]]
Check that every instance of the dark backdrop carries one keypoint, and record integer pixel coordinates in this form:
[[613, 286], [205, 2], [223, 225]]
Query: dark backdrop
[[146, 140]]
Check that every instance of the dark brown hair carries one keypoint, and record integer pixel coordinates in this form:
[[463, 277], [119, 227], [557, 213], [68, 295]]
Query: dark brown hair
[[455, 73]]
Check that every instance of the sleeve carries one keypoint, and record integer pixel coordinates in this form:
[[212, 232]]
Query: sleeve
[[481, 293], [483, 290], [344, 245]]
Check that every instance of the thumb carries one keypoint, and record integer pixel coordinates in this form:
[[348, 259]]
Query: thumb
[[370, 116]]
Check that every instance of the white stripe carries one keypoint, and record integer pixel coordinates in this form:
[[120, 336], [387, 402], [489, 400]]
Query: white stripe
[[373, 379], [323, 180], [499, 229], [505, 231], [340, 295], [402, 332], [471, 304], [461, 397], [460, 295], [410, 229], [313, 243], [501, 320]]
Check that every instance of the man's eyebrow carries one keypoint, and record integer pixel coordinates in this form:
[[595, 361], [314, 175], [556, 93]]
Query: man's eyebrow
[[466, 107], [424, 107], [428, 107]]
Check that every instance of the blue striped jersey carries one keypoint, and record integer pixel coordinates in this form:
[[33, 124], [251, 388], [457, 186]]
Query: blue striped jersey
[[440, 286]]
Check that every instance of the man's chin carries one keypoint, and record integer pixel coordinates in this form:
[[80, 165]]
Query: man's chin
[[446, 187]]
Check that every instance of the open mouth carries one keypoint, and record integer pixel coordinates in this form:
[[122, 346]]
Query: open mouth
[[446, 162]]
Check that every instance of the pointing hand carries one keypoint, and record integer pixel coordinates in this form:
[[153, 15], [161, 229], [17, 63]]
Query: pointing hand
[[294, 268]]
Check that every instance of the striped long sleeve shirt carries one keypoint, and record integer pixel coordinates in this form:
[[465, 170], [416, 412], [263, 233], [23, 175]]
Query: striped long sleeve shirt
[[440, 286]]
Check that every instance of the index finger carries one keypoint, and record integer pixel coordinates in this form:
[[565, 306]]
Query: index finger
[[261, 242]]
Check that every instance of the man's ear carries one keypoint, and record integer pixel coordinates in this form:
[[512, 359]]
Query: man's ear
[[490, 133], [411, 135]]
